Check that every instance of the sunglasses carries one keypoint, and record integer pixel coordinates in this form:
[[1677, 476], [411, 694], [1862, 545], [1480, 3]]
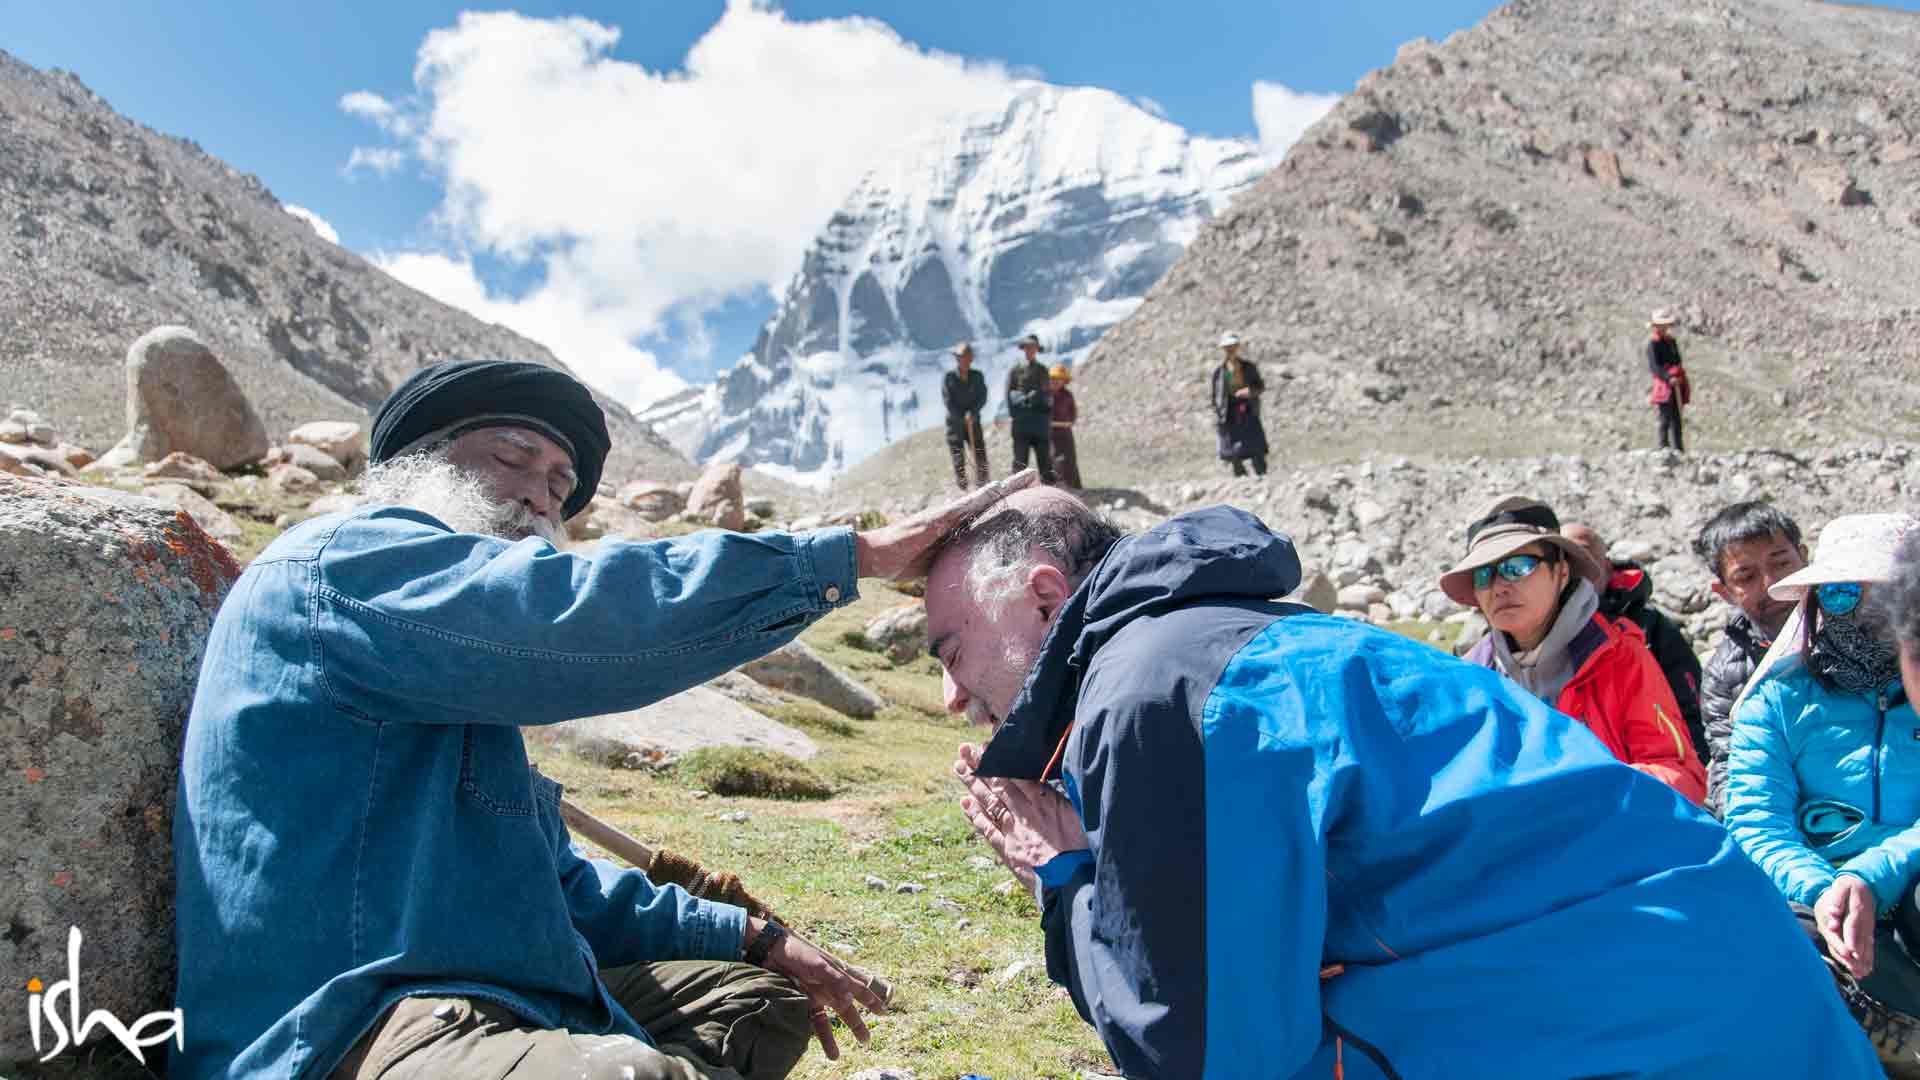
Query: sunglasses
[[1838, 598], [1512, 568]]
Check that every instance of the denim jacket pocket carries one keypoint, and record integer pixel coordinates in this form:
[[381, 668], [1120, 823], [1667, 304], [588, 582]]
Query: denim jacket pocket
[[494, 770]]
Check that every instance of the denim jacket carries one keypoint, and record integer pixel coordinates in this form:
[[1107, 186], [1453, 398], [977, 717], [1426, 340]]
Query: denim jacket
[[357, 821]]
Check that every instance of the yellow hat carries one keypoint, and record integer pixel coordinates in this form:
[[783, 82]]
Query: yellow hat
[[1060, 372]]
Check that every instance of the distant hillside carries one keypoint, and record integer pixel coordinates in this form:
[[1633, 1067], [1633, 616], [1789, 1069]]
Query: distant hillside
[[110, 229], [1461, 258]]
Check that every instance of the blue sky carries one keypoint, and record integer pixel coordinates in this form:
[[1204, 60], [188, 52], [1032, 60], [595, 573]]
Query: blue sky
[[505, 220]]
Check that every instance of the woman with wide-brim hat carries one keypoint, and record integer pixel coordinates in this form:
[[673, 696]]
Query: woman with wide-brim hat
[[1537, 590], [1823, 773]]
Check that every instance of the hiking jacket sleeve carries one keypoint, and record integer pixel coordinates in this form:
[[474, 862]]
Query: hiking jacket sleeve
[[410, 619], [1647, 719], [1763, 800], [1726, 672], [1122, 929], [627, 919]]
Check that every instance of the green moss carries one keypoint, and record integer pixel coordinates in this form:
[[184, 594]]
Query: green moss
[[740, 770]]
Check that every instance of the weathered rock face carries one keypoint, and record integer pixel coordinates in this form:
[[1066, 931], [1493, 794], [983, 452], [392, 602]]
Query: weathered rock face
[[113, 229], [718, 499], [105, 600], [666, 729], [796, 669], [1735, 162], [338, 439], [186, 469], [180, 398], [901, 632]]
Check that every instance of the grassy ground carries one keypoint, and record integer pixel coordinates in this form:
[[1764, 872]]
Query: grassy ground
[[894, 816]]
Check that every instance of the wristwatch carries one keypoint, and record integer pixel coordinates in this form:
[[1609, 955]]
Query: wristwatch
[[763, 943]]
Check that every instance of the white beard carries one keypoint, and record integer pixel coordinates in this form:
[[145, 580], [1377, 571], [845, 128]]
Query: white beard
[[431, 484]]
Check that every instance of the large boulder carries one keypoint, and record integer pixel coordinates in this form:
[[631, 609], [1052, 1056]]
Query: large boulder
[[651, 500], [901, 632], [217, 522], [105, 602], [717, 498], [687, 721], [27, 459], [340, 440], [185, 469], [796, 669], [180, 397]]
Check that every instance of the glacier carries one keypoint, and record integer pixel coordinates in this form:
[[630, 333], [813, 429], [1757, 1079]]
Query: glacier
[[1052, 215]]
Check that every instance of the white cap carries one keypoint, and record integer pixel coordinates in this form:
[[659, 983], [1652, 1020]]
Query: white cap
[[1229, 338]]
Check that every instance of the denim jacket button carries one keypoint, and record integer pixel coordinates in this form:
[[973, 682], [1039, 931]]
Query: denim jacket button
[[833, 594]]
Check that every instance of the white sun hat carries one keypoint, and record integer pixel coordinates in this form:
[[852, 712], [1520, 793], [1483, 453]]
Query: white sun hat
[[1857, 547], [1229, 339]]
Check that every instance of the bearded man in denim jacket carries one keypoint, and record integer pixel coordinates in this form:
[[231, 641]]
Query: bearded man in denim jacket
[[372, 880]]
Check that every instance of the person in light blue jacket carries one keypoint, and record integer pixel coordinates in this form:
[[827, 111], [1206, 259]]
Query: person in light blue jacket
[[371, 878], [1823, 782]]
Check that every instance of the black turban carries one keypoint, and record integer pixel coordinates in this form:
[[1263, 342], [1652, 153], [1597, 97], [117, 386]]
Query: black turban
[[447, 400]]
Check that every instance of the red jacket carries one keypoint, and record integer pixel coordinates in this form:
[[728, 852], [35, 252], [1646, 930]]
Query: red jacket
[[1620, 693]]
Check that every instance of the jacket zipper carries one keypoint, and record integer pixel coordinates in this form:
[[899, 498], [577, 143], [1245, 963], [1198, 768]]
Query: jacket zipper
[[1679, 750], [1879, 739]]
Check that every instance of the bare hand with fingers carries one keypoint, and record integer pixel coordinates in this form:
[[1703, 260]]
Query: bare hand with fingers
[[1845, 914], [829, 986], [899, 550], [1026, 823]]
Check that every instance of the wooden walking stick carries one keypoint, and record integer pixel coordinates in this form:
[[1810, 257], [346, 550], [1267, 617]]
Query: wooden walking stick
[[667, 868]]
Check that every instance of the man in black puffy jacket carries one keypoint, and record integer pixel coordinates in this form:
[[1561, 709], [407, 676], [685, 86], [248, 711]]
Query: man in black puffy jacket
[[1625, 595], [1748, 546]]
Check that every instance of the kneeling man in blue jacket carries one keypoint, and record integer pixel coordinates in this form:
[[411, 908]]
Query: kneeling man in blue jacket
[[1291, 845]]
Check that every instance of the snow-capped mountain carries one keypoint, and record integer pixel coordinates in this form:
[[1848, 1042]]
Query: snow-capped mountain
[[1051, 216]]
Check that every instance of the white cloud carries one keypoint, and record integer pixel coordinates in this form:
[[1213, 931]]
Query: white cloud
[[596, 344], [1282, 115], [379, 160], [367, 104], [314, 221], [1151, 106], [643, 193]]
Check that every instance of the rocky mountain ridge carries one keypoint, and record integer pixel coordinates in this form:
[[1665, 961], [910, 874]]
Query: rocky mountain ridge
[[1052, 215], [1461, 258], [109, 229]]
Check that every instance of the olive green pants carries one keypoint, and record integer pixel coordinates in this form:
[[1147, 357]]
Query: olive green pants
[[710, 1021]]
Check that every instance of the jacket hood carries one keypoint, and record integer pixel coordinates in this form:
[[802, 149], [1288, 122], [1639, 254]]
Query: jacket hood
[[1629, 587], [1214, 554]]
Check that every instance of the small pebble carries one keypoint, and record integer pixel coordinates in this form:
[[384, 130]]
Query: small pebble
[[877, 884], [908, 888]]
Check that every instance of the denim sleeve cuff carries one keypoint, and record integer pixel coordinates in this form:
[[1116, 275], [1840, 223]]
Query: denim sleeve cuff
[[1063, 868], [721, 933], [835, 566]]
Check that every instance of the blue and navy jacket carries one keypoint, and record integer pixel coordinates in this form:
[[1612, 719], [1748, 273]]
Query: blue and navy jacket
[[1269, 792]]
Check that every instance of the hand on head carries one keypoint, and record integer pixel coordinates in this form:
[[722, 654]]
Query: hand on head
[[900, 550]]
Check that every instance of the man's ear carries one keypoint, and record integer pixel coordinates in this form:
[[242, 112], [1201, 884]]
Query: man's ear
[[1049, 588]]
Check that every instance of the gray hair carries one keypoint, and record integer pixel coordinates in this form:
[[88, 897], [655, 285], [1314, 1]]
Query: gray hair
[[425, 480], [1003, 546]]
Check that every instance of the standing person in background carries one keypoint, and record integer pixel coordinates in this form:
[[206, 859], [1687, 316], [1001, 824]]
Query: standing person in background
[[1236, 410], [1625, 595], [1750, 547], [964, 392], [1670, 389], [1066, 459], [1030, 404]]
